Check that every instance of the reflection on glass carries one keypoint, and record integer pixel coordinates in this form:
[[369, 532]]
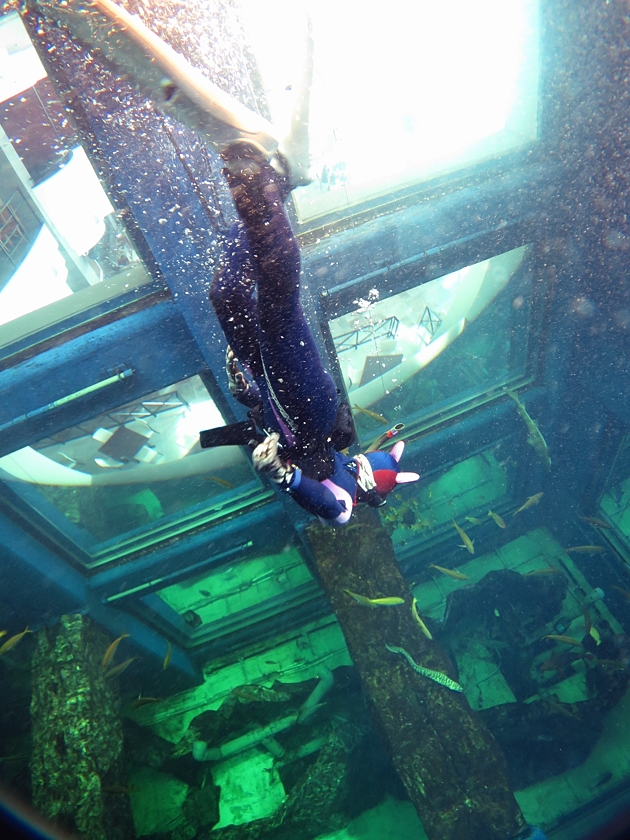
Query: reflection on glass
[[137, 470], [442, 341], [388, 109], [61, 245]]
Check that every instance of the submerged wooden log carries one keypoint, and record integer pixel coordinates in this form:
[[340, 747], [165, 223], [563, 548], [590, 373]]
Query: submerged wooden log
[[77, 769], [451, 766]]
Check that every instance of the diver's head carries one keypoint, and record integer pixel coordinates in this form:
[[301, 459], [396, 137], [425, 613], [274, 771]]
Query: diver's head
[[386, 475]]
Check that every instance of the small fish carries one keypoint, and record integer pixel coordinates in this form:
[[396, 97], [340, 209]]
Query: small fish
[[12, 642], [449, 572], [375, 602], [204, 592], [558, 707], [559, 661], [548, 570], [594, 634], [597, 523], [436, 676], [372, 414], [3, 633], [243, 693], [144, 701], [419, 621], [531, 501], [468, 543], [167, 656], [473, 520], [111, 650], [500, 522], [118, 669], [220, 481], [177, 88], [624, 592], [585, 549], [534, 435], [567, 640], [603, 780]]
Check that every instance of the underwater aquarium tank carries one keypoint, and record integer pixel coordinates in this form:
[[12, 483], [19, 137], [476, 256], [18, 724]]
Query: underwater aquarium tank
[[191, 648]]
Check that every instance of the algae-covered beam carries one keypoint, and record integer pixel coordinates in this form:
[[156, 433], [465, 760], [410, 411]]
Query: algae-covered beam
[[77, 767], [451, 766]]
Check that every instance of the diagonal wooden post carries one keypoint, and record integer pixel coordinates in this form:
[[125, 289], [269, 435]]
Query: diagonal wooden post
[[451, 766]]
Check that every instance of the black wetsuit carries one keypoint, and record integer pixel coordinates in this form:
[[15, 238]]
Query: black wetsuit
[[256, 296]]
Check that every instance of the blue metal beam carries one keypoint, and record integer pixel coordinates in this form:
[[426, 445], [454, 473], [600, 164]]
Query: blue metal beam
[[39, 586], [147, 163]]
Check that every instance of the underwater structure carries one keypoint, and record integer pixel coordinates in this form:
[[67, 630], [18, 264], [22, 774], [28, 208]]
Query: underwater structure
[[449, 744], [77, 763], [184, 652]]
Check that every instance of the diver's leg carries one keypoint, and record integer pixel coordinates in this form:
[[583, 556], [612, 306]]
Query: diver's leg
[[300, 388], [232, 295]]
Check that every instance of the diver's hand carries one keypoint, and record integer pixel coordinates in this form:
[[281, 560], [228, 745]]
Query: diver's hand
[[266, 453], [266, 459]]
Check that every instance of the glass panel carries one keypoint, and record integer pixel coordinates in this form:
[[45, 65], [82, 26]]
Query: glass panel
[[423, 512], [62, 249], [465, 92], [421, 350], [217, 603], [135, 475], [614, 513]]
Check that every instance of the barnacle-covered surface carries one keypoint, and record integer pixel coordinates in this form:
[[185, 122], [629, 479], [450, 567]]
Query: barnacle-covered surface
[[77, 769]]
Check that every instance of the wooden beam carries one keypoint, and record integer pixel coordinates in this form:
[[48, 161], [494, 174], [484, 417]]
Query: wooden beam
[[450, 764]]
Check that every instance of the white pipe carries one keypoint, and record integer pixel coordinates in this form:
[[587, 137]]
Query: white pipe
[[201, 751], [313, 701], [31, 466]]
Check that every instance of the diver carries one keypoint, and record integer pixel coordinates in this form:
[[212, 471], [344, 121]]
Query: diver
[[297, 428], [272, 361]]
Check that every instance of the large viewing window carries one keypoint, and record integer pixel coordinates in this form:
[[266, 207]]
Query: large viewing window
[[402, 93], [135, 475], [413, 355]]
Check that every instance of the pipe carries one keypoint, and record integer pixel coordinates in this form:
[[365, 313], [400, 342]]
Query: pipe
[[313, 701], [201, 751], [118, 377], [276, 749]]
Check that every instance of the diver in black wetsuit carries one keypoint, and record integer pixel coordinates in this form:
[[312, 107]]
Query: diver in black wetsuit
[[256, 295]]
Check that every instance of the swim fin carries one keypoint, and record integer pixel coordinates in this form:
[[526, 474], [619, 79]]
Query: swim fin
[[183, 91]]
